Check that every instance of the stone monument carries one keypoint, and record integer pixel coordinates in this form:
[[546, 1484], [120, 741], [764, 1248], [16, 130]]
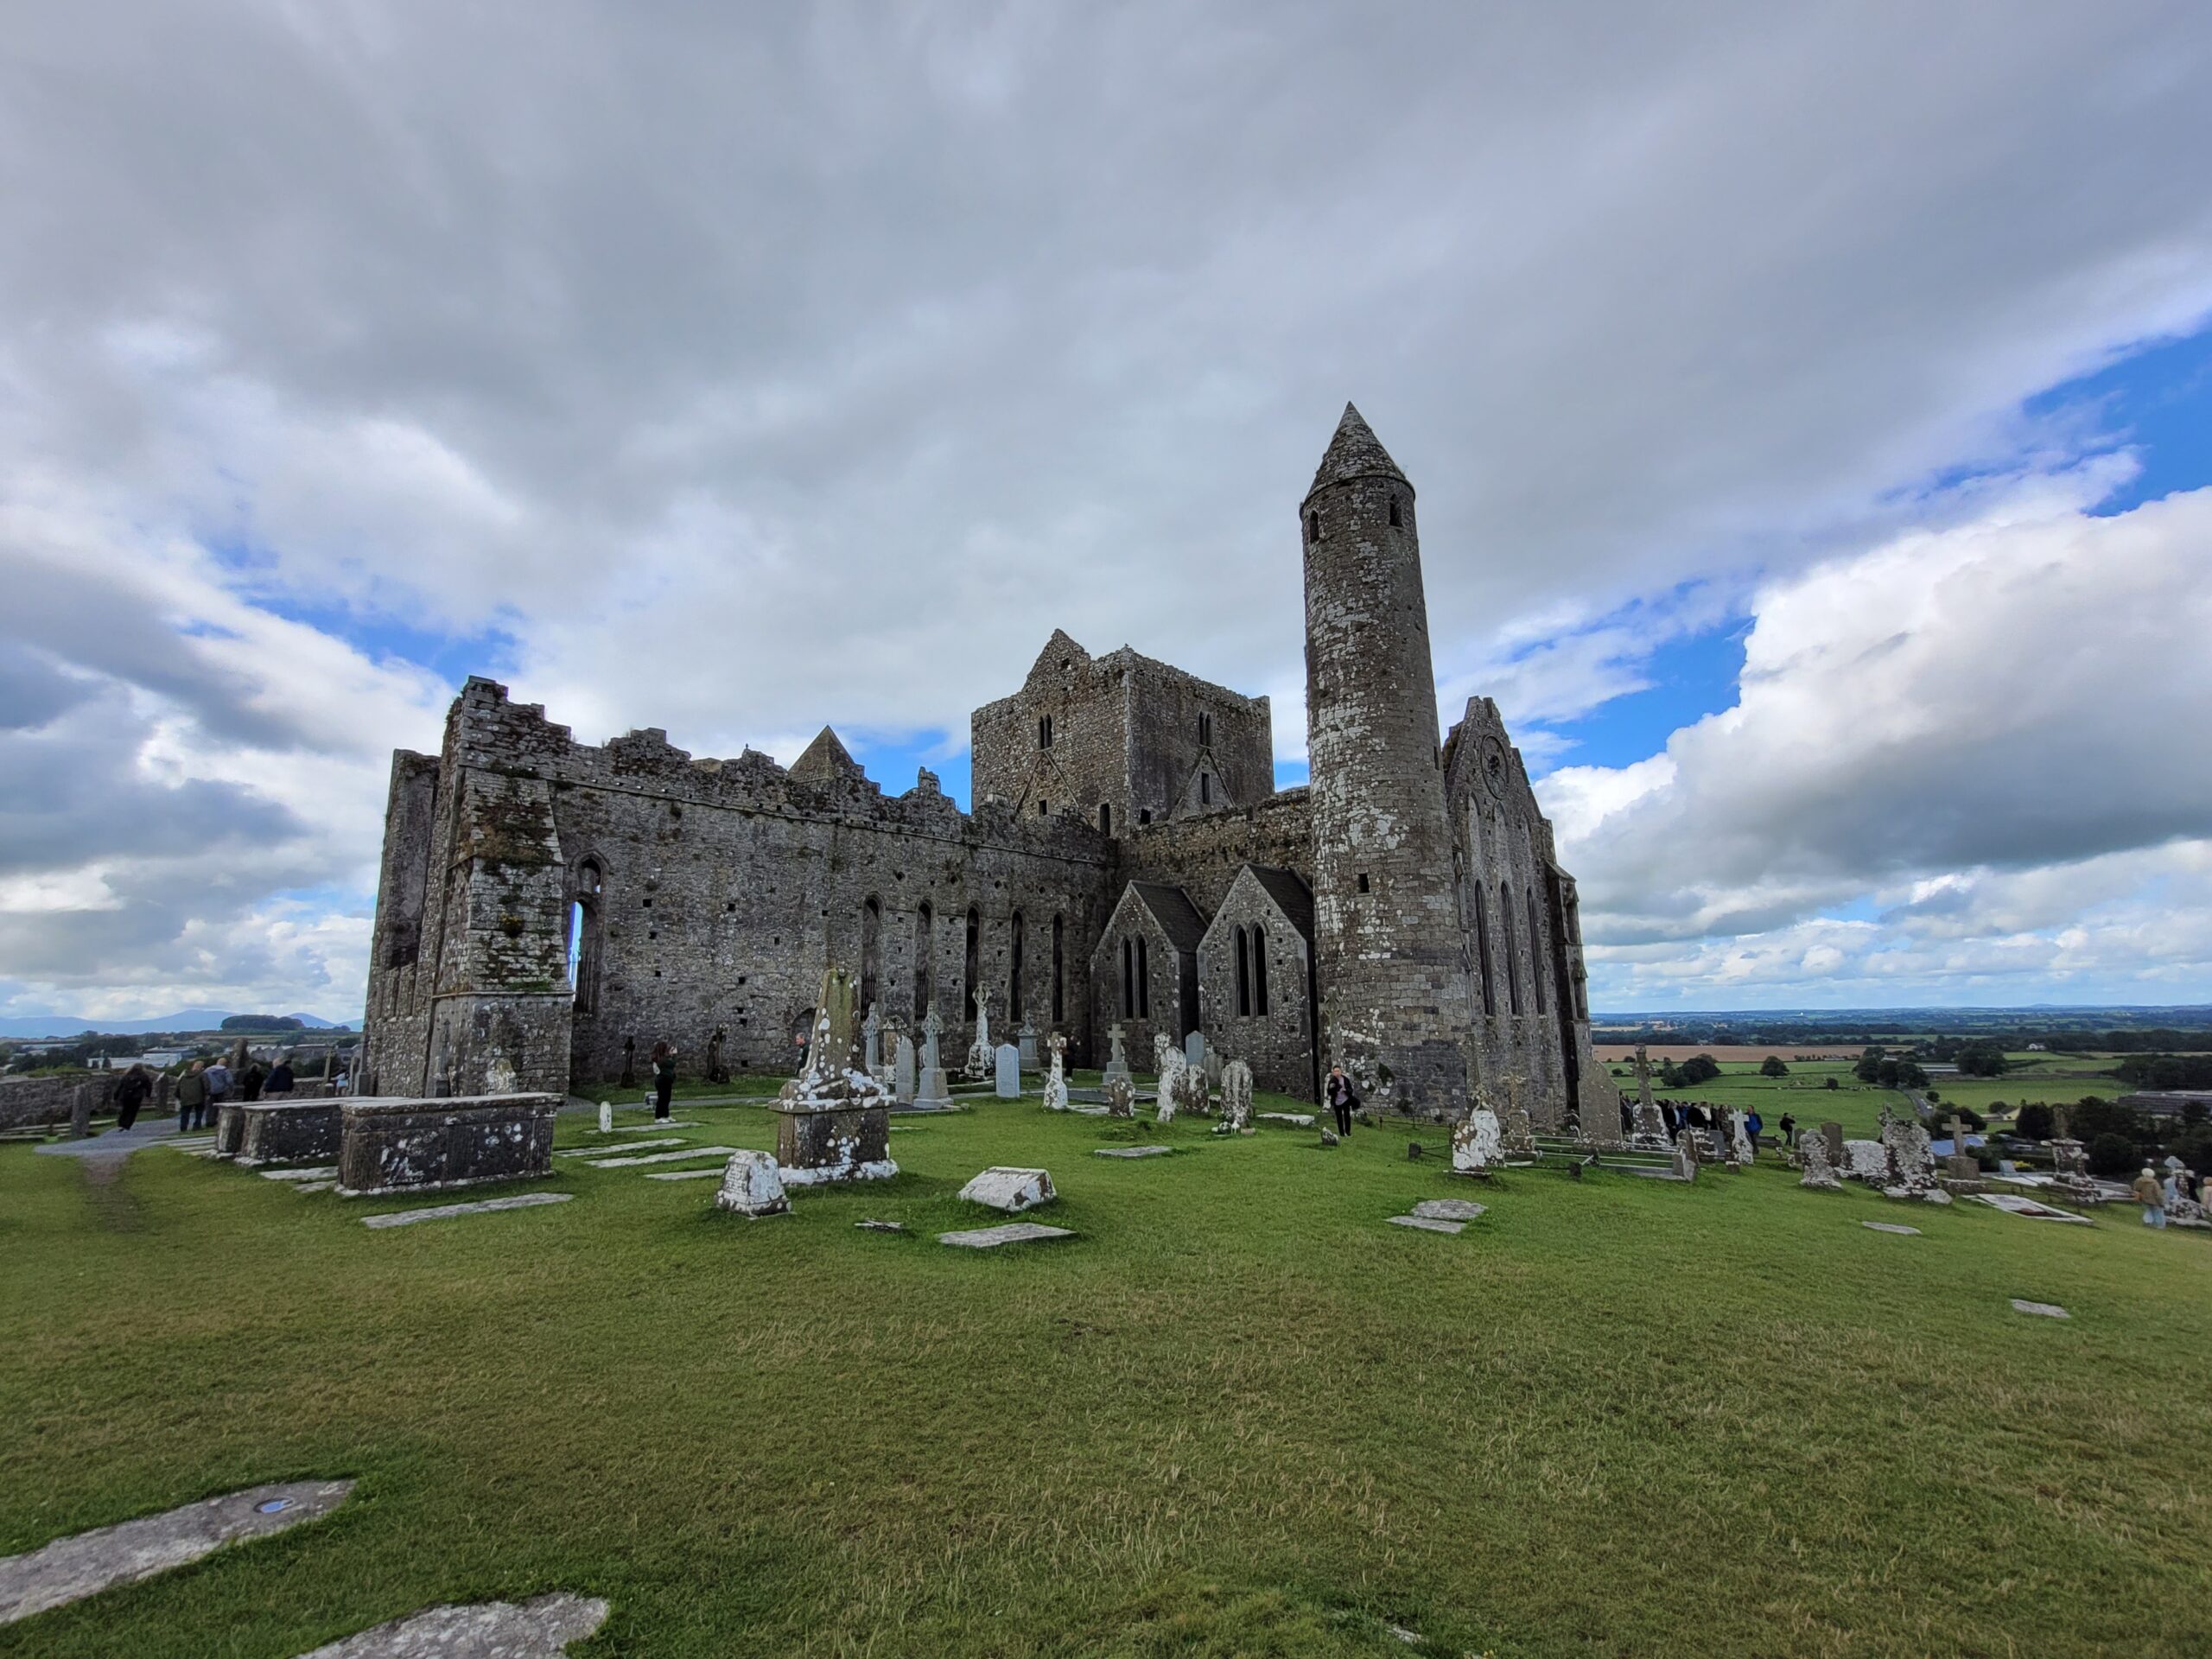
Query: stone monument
[[1237, 1098], [1025, 1044], [1120, 1096], [1056, 1082], [982, 1058], [753, 1185], [872, 1042], [902, 1072], [832, 1118], [1813, 1158], [1477, 1142], [1117, 1061], [931, 1093], [1169, 1087], [1008, 1067], [1911, 1171]]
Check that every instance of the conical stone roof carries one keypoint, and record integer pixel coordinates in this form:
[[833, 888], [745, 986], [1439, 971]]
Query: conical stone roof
[[1355, 452]]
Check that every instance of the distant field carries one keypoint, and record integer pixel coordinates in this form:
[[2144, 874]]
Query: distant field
[[1724, 1052]]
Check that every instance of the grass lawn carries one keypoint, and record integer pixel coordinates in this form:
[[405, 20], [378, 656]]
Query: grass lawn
[[1239, 1414], [1856, 1105]]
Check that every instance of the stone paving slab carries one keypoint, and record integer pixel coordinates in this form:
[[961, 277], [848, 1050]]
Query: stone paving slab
[[712, 1173], [1011, 1232], [1449, 1209], [1131, 1152], [69, 1569], [438, 1212], [2044, 1309], [314, 1187], [873, 1226], [1429, 1224], [1890, 1227], [2013, 1205], [540, 1628], [648, 1128], [1296, 1120], [663, 1157], [613, 1147], [317, 1172]]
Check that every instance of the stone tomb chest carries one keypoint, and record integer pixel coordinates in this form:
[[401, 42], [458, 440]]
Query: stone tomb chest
[[409, 1146], [283, 1132]]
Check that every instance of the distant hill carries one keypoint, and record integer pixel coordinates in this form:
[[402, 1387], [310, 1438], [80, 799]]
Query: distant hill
[[34, 1026]]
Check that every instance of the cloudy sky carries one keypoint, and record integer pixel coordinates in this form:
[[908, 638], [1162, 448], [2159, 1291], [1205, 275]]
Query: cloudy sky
[[1811, 408]]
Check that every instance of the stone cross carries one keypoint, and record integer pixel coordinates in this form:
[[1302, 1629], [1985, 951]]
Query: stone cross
[[1115, 1038], [983, 1020], [1642, 1077], [872, 1036], [1958, 1136], [931, 1027]]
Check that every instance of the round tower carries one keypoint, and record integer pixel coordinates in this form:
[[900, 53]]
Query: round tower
[[1390, 953]]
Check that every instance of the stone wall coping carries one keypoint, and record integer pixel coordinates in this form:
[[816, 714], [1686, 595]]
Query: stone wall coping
[[400, 1106]]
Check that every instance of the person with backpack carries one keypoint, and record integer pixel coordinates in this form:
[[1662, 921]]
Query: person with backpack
[[1343, 1099], [192, 1098], [219, 1090], [1752, 1124]]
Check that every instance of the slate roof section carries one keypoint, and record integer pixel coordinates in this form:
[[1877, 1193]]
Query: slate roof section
[[1292, 896], [1172, 909], [1355, 452], [826, 757]]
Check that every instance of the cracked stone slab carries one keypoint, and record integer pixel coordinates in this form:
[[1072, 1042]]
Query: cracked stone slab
[[663, 1157], [482, 1206], [69, 1569], [2041, 1310], [1131, 1152], [1011, 1232], [1429, 1224], [320, 1173], [1890, 1227], [683, 1174], [1448, 1209], [2013, 1205], [540, 1628], [613, 1147]]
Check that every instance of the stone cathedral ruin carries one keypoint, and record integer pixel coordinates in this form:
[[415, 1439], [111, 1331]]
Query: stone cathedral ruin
[[549, 910]]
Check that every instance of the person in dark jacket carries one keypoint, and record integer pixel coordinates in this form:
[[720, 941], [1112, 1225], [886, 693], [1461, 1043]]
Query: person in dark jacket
[[131, 1095], [192, 1097], [280, 1077], [255, 1080], [664, 1080], [1790, 1131], [1343, 1099]]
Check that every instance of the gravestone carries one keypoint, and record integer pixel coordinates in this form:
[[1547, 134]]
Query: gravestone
[[982, 1058], [80, 1112], [1237, 1098], [1478, 1143], [872, 1041], [1813, 1157], [1056, 1083], [1009, 1071], [1025, 1043], [751, 1185], [1912, 1163], [1170, 1085], [1117, 1061], [400, 1145], [1008, 1188], [1740, 1150], [1120, 1096], [932, 1091], [902, 1070], [1651, 1122], [606, 1118], [1194, 1050], [1832, 1134]]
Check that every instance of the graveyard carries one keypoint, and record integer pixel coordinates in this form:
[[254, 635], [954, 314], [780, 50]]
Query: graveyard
[[1234, 1411]]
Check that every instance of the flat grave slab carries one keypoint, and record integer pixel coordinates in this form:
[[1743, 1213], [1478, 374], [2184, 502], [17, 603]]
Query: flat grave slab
[[69, 1569], [1890, 1227], [612, 1147], [481, 1206], [713, 1172], [540, 1628], [663, 1157], [1429, 1224], [1011, 1232], [648, 1128], [2041, 1310], [1449, 1209], [1296, 1120], [320, 1173], [1131, 1152], [885, 1226], [2013, 1205]]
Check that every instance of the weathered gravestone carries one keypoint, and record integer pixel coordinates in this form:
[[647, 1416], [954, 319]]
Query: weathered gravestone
[[832, 1122], [1056, 1082], [1478, 1143], [932, 1092], [1237, 1098], [1120, 1096], [1009, 1072], [1025, 1044], [1117, 1061], [902, 1070], [400, 1145], [753, 1185], [1819, 1173], [1011, 1189]]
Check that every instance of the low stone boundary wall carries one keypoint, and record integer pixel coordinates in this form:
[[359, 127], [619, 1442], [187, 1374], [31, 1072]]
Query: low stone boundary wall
[[28, 1102], [285, 1132], [413, 1145]]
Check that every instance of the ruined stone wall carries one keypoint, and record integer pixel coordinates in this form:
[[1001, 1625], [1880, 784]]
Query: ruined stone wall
[[1194, 746], [1527, 970], [1270, 1026], [717, 891], [1202, 853], [25, 1101], [1394, 986]]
